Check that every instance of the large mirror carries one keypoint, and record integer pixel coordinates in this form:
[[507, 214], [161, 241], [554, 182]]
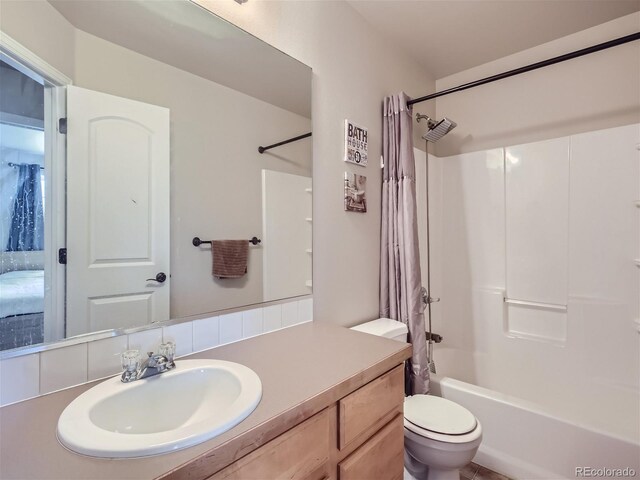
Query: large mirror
[[132, 190]]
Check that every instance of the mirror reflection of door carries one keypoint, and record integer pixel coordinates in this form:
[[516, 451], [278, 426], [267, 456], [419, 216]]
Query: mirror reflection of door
[[117, 201], [117, 212], [22, 205]]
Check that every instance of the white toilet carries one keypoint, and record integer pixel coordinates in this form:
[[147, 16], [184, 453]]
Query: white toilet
[[440, 436]]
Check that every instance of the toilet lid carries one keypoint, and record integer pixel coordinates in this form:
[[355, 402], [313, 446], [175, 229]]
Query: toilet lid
[[439, 415]]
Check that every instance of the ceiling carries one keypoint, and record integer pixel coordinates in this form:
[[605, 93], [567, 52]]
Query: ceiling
[[448, 36], [188, 37]]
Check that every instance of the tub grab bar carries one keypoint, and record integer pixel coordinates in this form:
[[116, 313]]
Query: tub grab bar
[[546, 306]]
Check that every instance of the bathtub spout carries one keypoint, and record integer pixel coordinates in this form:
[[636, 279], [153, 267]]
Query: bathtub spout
[[434, 337]]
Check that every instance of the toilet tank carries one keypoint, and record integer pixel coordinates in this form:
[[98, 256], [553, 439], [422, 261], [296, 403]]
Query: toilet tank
[[384, 327]]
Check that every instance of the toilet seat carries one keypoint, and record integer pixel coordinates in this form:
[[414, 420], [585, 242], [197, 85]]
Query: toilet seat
[[440, 419]]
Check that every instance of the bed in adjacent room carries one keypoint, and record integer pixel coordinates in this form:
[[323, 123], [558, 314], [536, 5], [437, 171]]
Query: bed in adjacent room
[[21, 308]]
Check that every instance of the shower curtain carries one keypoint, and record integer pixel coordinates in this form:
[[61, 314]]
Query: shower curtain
[[400, 279], [27, 219]]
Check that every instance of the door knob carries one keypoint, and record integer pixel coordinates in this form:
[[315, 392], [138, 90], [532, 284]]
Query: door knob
[[160, 278]]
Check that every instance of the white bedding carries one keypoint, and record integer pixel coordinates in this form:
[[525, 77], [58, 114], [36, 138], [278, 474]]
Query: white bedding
[[21, 292]]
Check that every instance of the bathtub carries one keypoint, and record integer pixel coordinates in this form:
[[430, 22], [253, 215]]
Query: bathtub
[[524, 441]]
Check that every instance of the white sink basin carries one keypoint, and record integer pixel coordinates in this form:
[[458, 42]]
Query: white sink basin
[[194, 402]]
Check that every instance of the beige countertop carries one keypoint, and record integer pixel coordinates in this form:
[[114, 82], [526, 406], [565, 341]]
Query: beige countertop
[[303, 370]]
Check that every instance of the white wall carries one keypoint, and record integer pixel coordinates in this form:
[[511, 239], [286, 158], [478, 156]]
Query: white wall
[[354, 68], [593, 92], [40, 28]]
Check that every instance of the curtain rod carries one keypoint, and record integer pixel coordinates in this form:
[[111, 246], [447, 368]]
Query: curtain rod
[[528, 68], [11, 164], [284, 142]]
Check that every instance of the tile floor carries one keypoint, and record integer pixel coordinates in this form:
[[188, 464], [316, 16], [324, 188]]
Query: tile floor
[[472, 471]]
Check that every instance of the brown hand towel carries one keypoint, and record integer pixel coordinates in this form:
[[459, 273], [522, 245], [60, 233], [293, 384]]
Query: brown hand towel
[[229, 258]]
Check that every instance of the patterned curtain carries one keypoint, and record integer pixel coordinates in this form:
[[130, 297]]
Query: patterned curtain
[[27, 219]]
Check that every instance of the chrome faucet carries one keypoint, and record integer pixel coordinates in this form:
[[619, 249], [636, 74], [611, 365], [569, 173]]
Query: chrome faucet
[[154, 364]]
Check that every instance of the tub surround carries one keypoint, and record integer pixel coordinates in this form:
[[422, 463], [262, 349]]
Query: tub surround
[[519, 355], [304, 369]]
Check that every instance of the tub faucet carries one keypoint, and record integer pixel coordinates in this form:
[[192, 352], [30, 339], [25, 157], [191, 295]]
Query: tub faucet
[[427, 298], [154, 364]]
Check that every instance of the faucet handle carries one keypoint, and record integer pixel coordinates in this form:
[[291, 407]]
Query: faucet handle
[[130, 360], [168, 350]]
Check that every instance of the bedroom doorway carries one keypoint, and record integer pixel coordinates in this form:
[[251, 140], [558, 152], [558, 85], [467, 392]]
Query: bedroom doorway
[[31, 198]]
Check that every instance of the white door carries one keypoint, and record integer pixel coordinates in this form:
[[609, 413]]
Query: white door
[[117, 212]]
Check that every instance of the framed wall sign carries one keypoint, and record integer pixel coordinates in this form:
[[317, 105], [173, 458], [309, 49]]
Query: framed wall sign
[[355, 199], [356, 144]]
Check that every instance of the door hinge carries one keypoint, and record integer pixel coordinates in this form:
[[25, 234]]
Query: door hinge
[[62, 125], [62, 256]]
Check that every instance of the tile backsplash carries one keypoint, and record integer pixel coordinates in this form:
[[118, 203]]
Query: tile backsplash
[[62, 367], [39, 373], [104, 356], [19, 378], [230, 327]]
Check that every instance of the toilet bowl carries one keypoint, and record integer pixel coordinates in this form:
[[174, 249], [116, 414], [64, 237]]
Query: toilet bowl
[[440, 436]]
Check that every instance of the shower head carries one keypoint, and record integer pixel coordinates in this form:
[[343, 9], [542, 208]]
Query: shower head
[[440, 129], [437, 130]]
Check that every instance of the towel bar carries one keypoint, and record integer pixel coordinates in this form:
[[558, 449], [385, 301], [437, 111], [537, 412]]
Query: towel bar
[[197, 242], [546, 306]]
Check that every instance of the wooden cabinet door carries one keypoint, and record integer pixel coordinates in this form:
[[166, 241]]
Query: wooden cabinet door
[[381, 458], [302, 453], [363, 409]]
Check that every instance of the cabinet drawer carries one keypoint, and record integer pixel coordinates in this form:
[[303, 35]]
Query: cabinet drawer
[[302, 453], [365, 408], [382, 457]]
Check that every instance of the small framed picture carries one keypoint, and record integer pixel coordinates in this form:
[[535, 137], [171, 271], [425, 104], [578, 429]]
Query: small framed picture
[[355, 197], [356, 144]]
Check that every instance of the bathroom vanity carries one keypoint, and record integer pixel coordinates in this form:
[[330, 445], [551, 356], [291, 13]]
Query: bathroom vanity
[[331, 408]]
